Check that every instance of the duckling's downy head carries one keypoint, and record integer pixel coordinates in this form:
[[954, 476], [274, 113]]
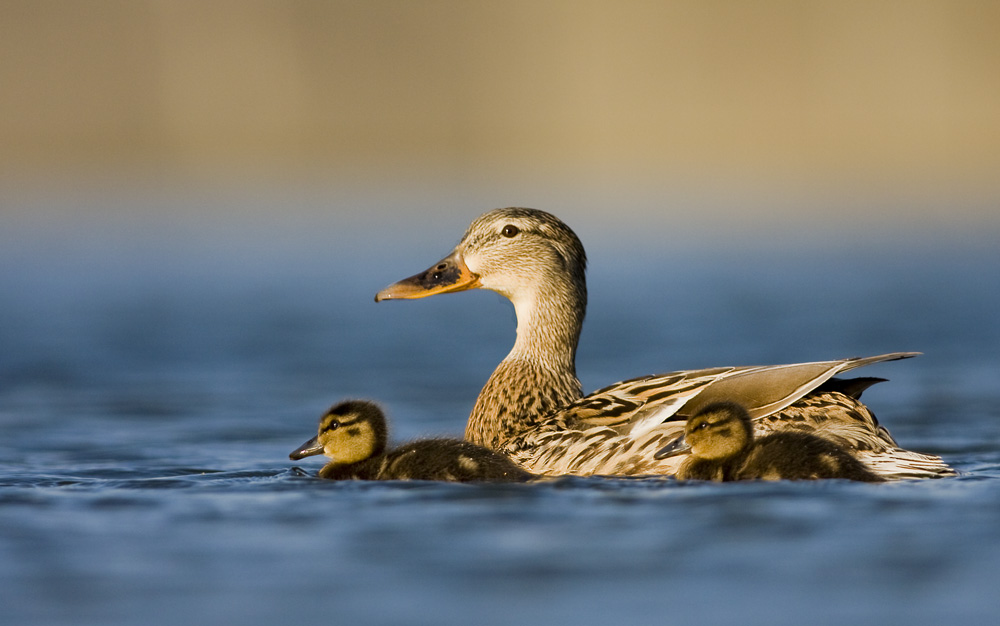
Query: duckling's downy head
[[719, 431], [349, 432], [512, 251]]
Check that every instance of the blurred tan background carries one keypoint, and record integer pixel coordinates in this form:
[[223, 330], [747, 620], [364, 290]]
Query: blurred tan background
[[769, 113]]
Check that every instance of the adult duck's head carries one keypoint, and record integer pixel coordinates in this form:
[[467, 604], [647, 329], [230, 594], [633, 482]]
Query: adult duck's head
[[349, 432], [537, 262], [520, 253]]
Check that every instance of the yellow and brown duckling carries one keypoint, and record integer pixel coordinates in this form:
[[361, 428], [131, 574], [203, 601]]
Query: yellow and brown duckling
[[723, 448], [353, 436]]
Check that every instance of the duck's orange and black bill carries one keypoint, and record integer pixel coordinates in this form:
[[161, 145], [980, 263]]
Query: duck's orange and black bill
[[675, 447], [309, 448], [447, 275]]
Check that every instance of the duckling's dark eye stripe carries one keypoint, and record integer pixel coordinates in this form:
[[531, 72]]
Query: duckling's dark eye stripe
[[334, 424]]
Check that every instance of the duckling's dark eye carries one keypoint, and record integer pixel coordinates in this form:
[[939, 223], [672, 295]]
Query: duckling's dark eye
[[510, 230], [333, 425], [702, 426]]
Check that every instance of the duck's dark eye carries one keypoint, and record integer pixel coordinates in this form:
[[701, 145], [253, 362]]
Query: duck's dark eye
[[333, 425], [510, 230], [703, 426]]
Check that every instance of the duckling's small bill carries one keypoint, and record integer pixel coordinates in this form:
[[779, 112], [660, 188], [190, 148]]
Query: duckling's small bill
[[674, 448], [309, 448]]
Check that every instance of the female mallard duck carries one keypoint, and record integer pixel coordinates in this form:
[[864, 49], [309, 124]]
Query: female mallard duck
[[532, 407], [353, 435], [720, 439]]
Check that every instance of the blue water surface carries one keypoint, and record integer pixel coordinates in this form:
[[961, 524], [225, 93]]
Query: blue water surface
[[151, 390]]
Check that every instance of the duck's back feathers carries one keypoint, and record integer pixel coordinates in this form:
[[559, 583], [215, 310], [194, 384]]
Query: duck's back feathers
[[637, 405]]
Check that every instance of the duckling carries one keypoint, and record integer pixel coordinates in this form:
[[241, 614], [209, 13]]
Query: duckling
[[353, 435], [723, 448]]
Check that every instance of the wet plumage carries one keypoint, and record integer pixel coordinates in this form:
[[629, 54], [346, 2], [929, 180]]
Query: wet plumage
[[723, 448], [353, 436], [532, 407]]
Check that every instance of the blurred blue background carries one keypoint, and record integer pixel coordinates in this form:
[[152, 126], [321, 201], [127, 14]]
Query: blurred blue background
[[665, 120]]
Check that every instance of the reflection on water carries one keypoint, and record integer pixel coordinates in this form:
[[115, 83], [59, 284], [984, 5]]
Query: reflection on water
[[147, 414]]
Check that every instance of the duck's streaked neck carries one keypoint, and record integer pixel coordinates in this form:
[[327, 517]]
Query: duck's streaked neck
[[538, 376], [548, 329]]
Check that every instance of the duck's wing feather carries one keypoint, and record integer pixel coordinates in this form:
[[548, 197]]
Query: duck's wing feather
[[636, 406]]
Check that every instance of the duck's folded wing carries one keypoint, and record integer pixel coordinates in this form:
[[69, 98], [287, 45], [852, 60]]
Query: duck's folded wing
[[637, 406]]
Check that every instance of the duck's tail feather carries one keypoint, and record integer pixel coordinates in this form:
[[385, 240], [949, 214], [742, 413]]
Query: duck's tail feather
[[852, 387], [900, 464]]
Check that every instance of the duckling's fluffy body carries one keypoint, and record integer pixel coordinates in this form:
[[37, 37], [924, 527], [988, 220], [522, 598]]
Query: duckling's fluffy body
[[353, 436], [532, 407], [723, 448]]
